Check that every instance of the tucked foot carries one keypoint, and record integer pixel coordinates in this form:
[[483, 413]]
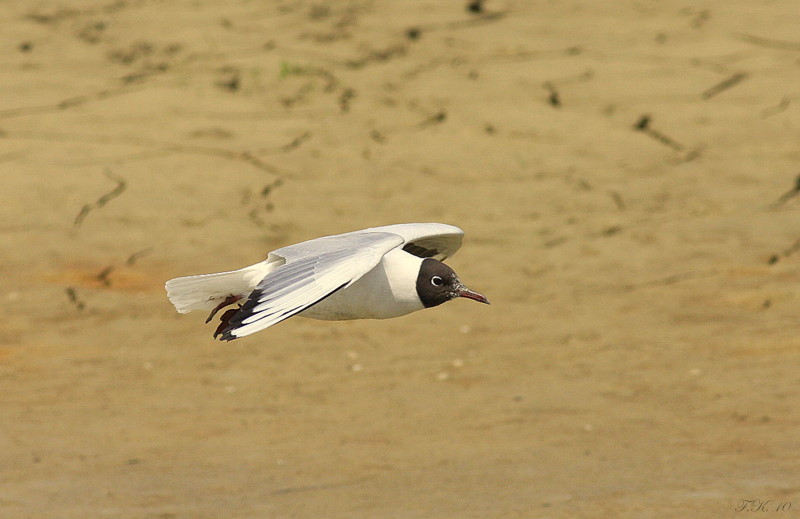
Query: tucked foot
[[228, 301]]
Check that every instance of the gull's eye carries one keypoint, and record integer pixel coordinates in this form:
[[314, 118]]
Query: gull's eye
[[437, 281]]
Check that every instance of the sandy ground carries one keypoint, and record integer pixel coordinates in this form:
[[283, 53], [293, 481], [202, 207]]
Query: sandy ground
[[623, 171]]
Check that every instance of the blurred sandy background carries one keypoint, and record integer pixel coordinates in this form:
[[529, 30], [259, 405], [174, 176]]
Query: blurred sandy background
[[623, 171]]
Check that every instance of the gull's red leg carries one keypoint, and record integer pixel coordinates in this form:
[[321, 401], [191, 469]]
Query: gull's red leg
[[228, 301]]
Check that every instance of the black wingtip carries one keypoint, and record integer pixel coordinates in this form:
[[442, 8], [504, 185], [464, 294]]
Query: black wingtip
[[225, 326], [234, 318], [225, 332], [226, 336]]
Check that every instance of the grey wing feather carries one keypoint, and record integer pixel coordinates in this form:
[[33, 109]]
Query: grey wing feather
[[313, 271], [427, 240]]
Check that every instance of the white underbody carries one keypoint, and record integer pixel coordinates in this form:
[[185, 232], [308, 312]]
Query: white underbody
[[388, 290]]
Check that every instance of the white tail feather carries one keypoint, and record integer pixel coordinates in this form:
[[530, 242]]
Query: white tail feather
[[206, 291]]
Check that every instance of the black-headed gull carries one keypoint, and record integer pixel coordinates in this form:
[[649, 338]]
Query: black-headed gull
[[375, 273]]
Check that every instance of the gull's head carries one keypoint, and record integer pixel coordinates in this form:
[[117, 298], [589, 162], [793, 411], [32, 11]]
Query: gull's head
[[437, 283]]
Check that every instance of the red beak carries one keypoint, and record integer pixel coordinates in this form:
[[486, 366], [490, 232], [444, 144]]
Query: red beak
[[470, 294]]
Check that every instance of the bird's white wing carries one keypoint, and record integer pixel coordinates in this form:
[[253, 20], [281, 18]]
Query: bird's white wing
[[314, 270], [426, 240]]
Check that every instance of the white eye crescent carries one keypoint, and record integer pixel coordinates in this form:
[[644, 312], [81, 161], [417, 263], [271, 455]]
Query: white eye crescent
[[437, 281]]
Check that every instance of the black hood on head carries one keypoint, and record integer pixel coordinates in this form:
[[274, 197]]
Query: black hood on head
[[436, 283]]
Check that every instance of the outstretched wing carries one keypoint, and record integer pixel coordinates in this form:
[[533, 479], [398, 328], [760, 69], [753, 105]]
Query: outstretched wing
[[426, 240], [314, 270]]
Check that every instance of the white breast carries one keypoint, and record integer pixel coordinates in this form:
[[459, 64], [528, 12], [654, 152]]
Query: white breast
[[388, 290]]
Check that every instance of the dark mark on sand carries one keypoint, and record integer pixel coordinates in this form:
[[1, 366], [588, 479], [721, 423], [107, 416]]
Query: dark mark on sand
[[257, 220], [69, 102], [73, 298], [308, 488], [552, 85], [231, 79], [793, 192], [674, 278], [437, 118], [554, 98], [612, 230], [103, 200], [296, 142], [618, 201], [347, 95], [413, 33], [267, 189], [643, 125], [254, 214], [81, 215], [377, 136], [133, 258], [475, 6], [780, 107], [114, 193], [769, 43], [103, 276], [785, 253], [377, 56], [479, 18], [724, 85]]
